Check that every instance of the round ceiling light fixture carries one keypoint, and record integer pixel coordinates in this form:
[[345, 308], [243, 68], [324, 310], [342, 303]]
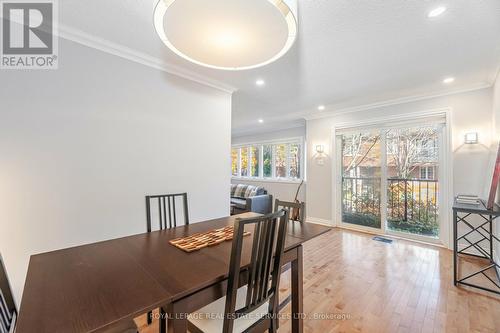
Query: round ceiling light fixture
[[227, 34]]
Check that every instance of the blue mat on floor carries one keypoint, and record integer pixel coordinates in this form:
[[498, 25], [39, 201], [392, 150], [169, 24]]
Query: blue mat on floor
[[382, 239]]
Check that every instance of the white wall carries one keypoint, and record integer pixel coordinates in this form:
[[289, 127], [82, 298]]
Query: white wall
[[496, 116], [471, 111], [81, 146], [496, 111], [280, 190]]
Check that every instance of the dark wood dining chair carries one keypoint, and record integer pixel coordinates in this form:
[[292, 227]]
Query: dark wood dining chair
[[166, 209], [8, 311], [253, 307], [290, 206]]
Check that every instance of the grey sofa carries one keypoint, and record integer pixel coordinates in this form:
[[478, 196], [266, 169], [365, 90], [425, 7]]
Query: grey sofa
[[249, 198]]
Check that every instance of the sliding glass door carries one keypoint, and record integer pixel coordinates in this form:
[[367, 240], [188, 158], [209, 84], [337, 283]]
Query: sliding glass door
[[390, 180]]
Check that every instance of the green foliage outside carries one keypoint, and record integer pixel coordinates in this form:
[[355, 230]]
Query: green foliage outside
[[421, 213], [268, 172], [414, 227], [367, 220]]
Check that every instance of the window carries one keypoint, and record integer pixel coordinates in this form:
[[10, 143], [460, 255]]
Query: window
[[427, 148], [282, 160], [294, 161], [234, 161], [254, 161], [427, 172], [267, 161], [244, 161]]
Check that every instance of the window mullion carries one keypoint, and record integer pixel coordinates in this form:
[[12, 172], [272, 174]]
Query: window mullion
[[249, 164], [383, 179], [287, 160], [299, 160], [261, 161], [273, 161], [239, 163]]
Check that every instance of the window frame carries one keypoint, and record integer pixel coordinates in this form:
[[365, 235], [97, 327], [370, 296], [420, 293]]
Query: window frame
[[273, 143], [426, 172]]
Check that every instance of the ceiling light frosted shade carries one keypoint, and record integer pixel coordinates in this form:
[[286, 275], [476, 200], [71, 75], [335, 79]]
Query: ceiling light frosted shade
[[227, 34]]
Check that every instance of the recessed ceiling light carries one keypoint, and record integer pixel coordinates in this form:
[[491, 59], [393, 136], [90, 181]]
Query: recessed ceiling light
[[436, 11], [261, 121], [227, 34], [321, 107], [449, 80], [260, 82]]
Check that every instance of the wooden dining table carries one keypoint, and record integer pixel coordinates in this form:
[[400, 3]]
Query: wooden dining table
[[101, 287]]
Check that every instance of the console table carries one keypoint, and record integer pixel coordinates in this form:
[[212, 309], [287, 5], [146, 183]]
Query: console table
[[485, 231]]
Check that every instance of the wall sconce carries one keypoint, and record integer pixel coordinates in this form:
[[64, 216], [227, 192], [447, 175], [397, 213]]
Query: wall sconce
[[471, 138], [320, 156]]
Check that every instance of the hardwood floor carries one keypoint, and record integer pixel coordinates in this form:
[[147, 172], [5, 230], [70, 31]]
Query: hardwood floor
[[361, 285]]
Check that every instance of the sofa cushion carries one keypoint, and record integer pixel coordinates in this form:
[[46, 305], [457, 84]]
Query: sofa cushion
[[239, 203], [260, 191], [246, 191]]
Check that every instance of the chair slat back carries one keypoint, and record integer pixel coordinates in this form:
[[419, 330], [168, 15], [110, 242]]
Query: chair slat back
[[165, 209], [265, 265], [8, 311], [278, 204]]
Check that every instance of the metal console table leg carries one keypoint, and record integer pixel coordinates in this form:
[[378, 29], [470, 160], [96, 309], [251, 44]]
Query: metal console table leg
[[485, 231]]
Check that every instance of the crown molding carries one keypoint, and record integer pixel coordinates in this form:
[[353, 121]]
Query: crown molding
[[272, 127], [391, 102], [288, 121], [142, 58]]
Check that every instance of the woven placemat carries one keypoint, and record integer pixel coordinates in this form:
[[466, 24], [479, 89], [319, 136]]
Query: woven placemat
[[204, 239]]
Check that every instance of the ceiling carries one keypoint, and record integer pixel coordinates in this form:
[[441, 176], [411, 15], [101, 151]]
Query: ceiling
[[348, 53]]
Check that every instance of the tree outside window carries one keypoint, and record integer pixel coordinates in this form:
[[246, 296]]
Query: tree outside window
[[234, 161], [295, 161], [254, 165], [268, 161], [244, 162], [280, 161]]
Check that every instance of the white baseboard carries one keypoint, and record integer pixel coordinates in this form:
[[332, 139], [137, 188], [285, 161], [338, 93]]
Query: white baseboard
[[316, 220]]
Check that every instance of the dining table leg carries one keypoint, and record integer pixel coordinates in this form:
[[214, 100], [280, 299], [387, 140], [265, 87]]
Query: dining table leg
[[297, 293], [177, 319]]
